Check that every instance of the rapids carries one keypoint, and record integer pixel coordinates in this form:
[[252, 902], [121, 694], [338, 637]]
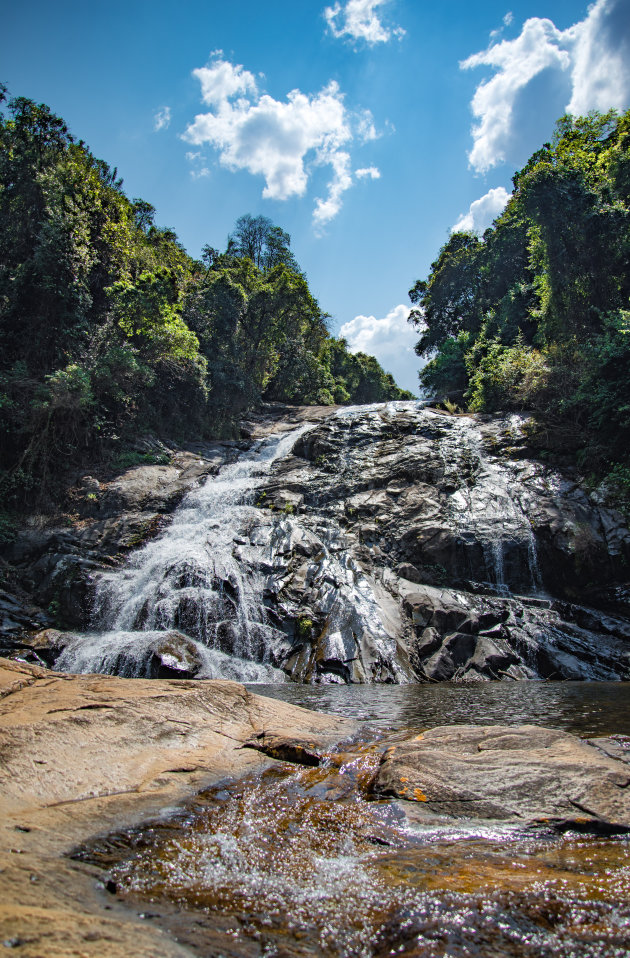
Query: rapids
[[300, 862]]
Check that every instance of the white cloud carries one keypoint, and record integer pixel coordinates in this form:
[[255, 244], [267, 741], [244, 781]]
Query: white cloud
[[483, 211], [162, 119], [222, 80], [365, 128], [358, 20], [391, 339], [200, 170], [326, 209], [594, 54], [279, 140], [517, 62], [371, 172], [507, 20], [601, 59]]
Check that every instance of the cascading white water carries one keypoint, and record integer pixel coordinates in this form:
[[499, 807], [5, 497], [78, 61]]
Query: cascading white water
[[199, 578], [488, 506]]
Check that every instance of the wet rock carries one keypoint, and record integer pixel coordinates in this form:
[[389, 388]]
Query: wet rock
[[286, 749], [43, 647], [439, 609], [16, 614], [483, 542], [492, 658], [408, 571], [456, 650], [428, 643], [174, 656], [528, 774]]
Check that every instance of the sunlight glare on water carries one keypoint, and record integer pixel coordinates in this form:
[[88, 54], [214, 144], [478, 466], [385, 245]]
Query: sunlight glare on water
[[300, 862]]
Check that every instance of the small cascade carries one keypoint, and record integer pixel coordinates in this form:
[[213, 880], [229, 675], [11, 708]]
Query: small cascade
[[200, 578], [154, 654], [487, 510]]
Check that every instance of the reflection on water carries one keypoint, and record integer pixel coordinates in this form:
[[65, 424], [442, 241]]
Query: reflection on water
[[584, 708]]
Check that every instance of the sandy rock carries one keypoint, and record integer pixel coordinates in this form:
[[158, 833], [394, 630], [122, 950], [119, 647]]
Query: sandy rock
[[527, 774], [80, 755]]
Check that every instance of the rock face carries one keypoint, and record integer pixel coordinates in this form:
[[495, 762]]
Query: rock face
[[390, 543], [528, 774], [451, 544]]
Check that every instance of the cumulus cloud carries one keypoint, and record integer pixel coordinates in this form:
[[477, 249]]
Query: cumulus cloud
[[601, 59], [593, 54], [391, 339], [517, 62], [162, 119], [358, 20], [282, 141], [222, 80], [483, 211]]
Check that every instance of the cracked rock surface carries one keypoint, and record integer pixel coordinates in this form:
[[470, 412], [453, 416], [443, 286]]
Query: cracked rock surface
[[525, 773]]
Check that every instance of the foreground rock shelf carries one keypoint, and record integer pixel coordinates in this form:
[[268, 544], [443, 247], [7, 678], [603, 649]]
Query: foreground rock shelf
[[80, 755], [91, 755]]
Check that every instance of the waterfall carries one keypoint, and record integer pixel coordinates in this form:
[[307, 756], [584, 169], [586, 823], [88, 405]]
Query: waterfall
[[486, 508], [201, 578]]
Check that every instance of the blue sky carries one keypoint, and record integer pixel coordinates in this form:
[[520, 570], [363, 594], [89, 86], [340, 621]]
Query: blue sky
[[351, 124]]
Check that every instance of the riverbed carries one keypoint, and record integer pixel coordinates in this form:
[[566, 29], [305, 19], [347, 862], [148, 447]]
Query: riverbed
[[301, 862]]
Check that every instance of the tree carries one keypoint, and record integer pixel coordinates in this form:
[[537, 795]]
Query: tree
[[258, 239], [535, 313]]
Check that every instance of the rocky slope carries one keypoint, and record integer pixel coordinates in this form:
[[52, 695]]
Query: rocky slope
[[375, 544]]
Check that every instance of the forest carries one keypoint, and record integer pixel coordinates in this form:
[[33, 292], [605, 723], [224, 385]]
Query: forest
[[109, 329], [535, 314]]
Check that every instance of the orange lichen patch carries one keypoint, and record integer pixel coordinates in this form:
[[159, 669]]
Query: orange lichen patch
[[403, 778], [419, 738], [419, 796]]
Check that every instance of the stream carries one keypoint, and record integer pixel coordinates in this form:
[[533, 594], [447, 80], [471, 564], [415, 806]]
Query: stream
[[300, 862]]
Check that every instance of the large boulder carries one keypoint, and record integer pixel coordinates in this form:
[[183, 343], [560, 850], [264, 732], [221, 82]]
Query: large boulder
[[525, 774]]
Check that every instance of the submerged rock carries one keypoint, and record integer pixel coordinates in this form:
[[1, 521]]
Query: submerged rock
[[528, 774]]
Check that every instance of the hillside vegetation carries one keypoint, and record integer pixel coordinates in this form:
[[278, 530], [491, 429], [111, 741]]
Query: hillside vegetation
[[536, 314], [108, 328]]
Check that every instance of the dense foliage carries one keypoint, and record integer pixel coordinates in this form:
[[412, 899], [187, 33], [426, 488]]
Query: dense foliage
[[536, 314], [108, 327]]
